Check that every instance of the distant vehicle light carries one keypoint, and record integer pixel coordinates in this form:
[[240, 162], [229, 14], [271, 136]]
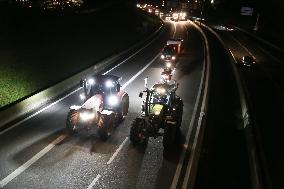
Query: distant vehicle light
[[173, 57], [162, 56]]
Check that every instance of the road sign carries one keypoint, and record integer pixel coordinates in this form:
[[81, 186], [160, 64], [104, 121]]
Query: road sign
[[246, 11]]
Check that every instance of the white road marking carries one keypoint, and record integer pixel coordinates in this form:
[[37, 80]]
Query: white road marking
[[138, 73], [117, 151], [94, 181], [30, 162], [38, 112], [192, 121]]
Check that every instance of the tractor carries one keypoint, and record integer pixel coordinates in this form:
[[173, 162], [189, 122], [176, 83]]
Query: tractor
[[104, 105], [162, 109]]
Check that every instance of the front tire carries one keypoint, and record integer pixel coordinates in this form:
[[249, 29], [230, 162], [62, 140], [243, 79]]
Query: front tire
[[169, 135], [105, 126], [137, 136], [72, 120]]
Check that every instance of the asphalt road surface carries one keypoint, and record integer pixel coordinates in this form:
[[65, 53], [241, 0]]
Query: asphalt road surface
[[39, 153]]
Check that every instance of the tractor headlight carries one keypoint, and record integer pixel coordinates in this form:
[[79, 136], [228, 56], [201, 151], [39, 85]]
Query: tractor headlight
[[168, 65], [157, 112], [162, 56], [82, 96], [112, 100], [87, 116], [109, 83], [173, 57], [91, 81]]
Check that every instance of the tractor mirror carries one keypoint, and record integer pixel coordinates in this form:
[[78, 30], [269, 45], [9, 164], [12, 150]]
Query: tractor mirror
[[118, 87], [143, 107], [82, 83], [140, 94]]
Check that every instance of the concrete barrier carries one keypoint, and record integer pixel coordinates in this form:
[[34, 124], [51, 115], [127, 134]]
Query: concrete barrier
[[32, 103]]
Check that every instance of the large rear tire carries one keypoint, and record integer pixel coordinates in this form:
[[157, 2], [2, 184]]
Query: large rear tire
[[105, 126], [72, 121], [137, 136], [179, 112], [125, 105]]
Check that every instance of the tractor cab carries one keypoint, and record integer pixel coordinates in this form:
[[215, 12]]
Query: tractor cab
[[100, 84], [158, 97]]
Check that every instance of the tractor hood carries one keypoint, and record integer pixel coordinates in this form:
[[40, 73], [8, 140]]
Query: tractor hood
[[94, 102]]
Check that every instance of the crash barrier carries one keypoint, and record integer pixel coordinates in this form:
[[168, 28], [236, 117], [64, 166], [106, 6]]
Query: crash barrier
[[249, 121], [34, 102], [190, 156]]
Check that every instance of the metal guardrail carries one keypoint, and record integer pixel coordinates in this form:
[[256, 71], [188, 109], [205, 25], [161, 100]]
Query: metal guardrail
[[36, 101]]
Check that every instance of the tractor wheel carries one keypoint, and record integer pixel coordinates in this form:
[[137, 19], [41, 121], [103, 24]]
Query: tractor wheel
[[136, 132], [105, 126], [125, 105], [169, 135], [72, 120], [179, 112]]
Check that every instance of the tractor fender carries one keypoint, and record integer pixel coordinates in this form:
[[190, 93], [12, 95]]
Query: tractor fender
[[124, 102]]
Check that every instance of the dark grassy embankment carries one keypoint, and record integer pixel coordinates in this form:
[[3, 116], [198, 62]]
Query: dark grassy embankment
[[39, 49]]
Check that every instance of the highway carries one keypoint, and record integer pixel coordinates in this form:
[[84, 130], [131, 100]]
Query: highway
[[39, 153]]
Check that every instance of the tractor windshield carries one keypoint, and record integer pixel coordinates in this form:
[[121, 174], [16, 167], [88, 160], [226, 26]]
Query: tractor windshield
[[158, 98], [107, 87]]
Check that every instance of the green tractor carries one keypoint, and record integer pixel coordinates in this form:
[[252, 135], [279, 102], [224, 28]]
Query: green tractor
[[161, 109]]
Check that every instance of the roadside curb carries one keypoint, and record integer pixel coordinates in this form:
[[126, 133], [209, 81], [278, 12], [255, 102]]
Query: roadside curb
[[34, 102]]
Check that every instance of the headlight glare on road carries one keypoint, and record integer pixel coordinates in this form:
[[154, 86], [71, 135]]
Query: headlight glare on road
[[87, 116], [112, 100]]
